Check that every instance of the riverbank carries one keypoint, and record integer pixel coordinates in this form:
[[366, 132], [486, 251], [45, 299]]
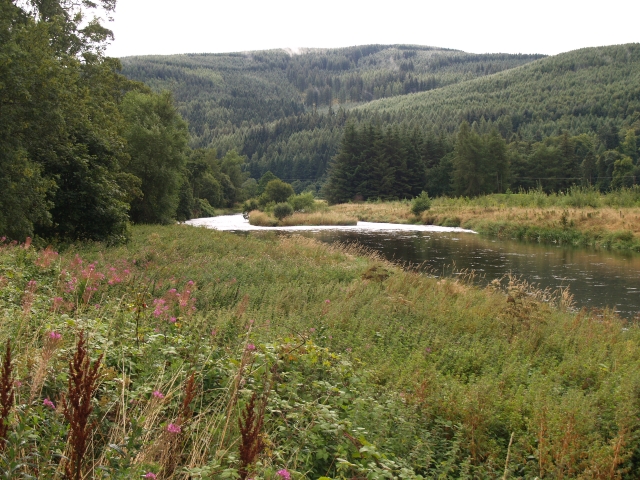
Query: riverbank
[[501, 216], [343, 364], [323, 218]]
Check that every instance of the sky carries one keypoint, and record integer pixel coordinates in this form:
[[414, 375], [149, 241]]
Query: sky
[[162, 27]]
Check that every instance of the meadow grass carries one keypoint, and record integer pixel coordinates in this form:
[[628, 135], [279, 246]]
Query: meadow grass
[[356, 367], [264, 219], [581, 217]]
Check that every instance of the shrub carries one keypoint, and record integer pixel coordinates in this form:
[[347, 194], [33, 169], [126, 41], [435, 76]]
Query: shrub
[[282, 210], [303, 202], [421, 203], [249, 206], [277, 191]]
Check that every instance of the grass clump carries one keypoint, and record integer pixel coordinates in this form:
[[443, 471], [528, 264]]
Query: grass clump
[[225, 356]]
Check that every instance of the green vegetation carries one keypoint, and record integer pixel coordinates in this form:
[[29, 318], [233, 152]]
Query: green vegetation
[[582, 217], [321, 361], [421, 203], [559, 115], [83, 150]]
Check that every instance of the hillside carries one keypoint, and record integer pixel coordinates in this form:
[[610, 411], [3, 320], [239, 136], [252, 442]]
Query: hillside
[[255, 102], [592, 89], [217, 92]]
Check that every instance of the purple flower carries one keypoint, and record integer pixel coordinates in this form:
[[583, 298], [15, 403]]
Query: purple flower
[[48, 403], [158, 394], [327, 301], [251, 347], [55, 335], [284, 473], [173, 428], [150, 475]]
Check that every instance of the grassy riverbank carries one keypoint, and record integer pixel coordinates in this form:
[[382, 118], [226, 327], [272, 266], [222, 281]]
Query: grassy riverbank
[[580, 218], [319, 360], [264, 219]]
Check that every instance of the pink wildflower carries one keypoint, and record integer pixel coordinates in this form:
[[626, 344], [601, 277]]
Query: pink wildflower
[[284, 473], [251, 347], [158, 394], [48, 403], [55, 336], [173, 428], [150, 475], [327, 301], [312, 329], [173, 319]]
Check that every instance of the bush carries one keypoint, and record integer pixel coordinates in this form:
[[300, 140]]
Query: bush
[[421, 203], [249, 206], [277, 191], [303, 202], [282, 210]]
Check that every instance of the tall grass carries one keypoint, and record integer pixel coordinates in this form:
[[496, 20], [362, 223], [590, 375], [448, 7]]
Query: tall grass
[[575, 197], [364, 370], [263, 219]]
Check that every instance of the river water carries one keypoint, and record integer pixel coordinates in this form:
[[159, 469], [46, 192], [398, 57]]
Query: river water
[[595, 278]]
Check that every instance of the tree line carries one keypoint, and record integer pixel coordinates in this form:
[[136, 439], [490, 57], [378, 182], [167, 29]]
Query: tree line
[[376, 162], [84, 151]]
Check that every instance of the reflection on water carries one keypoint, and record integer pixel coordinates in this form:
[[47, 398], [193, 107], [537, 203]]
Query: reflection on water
[[596, 279]]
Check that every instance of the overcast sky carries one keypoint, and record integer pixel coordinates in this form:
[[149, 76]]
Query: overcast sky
[[144, 27]]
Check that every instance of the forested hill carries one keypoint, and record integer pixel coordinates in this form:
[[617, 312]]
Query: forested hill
[[216, 93], [587, 90], [258, 103]]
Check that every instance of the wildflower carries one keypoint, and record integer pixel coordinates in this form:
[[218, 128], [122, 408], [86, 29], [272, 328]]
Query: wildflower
[[427, 350], [327, 301], [97, 306], [284, 473], [17, 384], [348, 349], [312, 329], [173, 428], [158, 394], [48, 403], [214, 332], [53, 335], [150, 475], [173, 319], [251, 347]]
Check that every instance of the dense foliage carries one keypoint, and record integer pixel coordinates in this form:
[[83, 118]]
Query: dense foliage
[[588, 92], [79, 143], [319, 360]]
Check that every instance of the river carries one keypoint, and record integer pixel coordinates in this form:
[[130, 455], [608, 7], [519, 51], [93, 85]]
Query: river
[[595, 278]]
